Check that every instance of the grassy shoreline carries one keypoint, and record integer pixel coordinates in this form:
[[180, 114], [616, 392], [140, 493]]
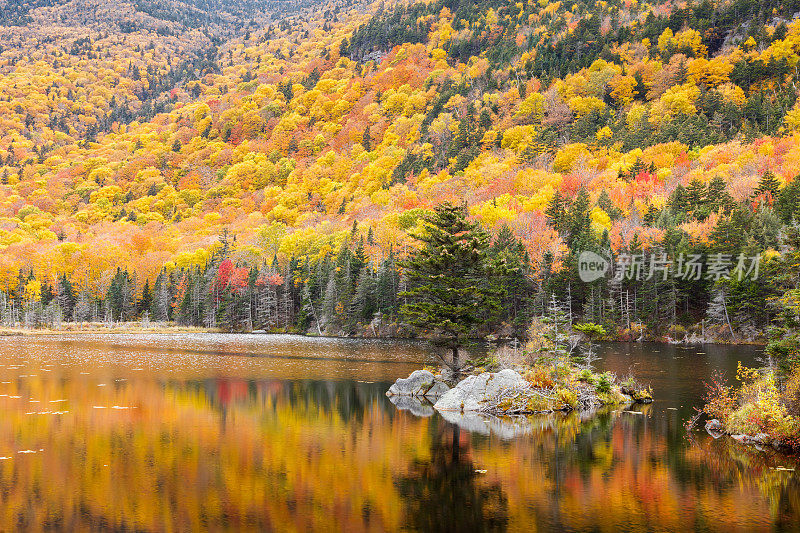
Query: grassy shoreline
[[136, 328]]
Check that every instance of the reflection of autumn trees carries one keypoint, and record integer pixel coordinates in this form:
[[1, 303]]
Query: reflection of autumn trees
[[731, 465], [443, 492], [262, 453]]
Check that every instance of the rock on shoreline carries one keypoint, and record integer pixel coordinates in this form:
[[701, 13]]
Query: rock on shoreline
[[474, 392], [420, 384], [717, 429]]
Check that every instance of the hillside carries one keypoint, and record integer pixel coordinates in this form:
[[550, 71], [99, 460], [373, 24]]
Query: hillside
[[179, 159]]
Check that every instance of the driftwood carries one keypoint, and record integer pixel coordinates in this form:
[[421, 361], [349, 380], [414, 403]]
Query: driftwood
[[514, 400]]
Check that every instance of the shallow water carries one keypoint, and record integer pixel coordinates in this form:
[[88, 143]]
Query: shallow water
[[186, 432]]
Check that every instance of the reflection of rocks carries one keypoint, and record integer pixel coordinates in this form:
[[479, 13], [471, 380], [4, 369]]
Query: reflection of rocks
[[506, 428], [715, 428], [419, 384], [473, 393], [412, 404], [472, 422]]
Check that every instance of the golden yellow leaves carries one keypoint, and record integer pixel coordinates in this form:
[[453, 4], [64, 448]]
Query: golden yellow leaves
[[532, 108], [688, 39], [581, 106], [570, 155], [677, 100], [600, 220], [710, 73], [623, 89], [519, 138], [792, 119]]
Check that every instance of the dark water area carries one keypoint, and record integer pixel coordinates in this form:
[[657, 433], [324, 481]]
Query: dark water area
[[283, 433]]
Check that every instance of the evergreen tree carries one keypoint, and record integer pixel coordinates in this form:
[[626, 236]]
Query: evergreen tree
[[787, 204], [448, 275], [388, 283], [578, 221], [146, 301], [556, 213], [768, 185]]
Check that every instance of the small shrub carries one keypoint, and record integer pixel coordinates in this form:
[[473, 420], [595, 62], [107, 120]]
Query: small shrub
[[604, 383], [540, 377], [720, 400], [568, 397], [539, 403]]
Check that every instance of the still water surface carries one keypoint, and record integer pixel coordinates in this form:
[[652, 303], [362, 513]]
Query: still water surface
[[188, 432]]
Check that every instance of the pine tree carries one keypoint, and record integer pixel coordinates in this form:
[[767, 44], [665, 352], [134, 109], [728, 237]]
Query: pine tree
[[146, 301], [364, 301], [578, 221], [330, 303], [787, 204], [448, 290], [768, 185], [388, 283], [513, 283], [556, 213]]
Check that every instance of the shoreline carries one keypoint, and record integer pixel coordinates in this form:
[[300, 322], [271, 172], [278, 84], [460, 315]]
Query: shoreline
[[130, 328]]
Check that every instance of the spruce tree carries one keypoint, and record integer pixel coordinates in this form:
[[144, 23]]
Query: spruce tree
[[768, 184], [449, 291]]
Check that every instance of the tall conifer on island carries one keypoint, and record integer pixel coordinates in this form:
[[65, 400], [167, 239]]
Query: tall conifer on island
[[449, 280]]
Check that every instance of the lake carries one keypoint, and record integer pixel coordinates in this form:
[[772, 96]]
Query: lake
[[285, 433]]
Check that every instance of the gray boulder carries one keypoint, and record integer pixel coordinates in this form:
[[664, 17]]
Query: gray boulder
[[420, 383], [472, 393], [417, 384], [438, 390]]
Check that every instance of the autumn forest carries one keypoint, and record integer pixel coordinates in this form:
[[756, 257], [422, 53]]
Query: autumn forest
[[265, 166]]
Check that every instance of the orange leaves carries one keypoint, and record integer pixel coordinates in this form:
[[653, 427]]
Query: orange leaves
[[570, 185], [269, 279]]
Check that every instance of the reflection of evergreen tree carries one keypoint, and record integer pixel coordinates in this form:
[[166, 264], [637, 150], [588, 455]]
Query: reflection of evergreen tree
[[445, 493]]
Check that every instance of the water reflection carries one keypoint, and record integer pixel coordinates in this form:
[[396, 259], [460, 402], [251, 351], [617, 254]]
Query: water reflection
[[132, 437], [444, 492]]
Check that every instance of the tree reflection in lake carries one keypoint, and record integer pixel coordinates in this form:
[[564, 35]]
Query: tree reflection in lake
[[443, 492], [125, 438]]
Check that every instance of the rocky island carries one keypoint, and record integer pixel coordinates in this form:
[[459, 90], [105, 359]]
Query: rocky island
[[537, 389]]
